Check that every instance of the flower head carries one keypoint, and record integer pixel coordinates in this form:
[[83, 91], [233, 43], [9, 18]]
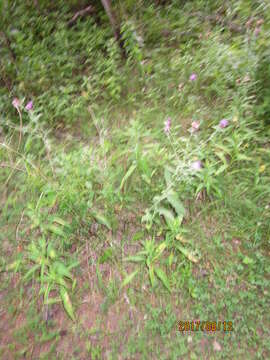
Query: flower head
[[193, 77], [223, 123], [16, 103], [257, 31], [195, 125], [196, 165], [167, 125], [29, 106]]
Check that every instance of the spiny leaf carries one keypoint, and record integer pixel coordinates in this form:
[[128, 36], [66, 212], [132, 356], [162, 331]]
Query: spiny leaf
[[31, 272], [61, 269], [247, 260], [66, 302], [173, 199], [188, 254], [159, 250], [101, 219], [135, 258], [128, 174], [60, 221], [13, 266], [152, 275], [163, 277], [168, 215], [56, 230]]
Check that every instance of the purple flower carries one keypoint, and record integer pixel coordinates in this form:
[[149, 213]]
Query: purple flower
[[257, 31], [193, 77], [223, 123], [167, 125], [16, 103], [195, 125], [196, 165], [29, 106]]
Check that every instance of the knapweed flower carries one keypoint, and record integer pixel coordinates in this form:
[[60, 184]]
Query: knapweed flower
[[16, 103], [257, 31], [195, 125], [193, 77], [167, 125], [223, 123], [196, 165], [29, 106]]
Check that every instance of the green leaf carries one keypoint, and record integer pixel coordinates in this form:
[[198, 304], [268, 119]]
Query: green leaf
[[188, 254], [52, 301], [100, 280], [101, 219], [56, 230], [163, 277], [173, 199], [129, 278], [152, 275], [128, 174], [159, 250], [61, 269], [66, 302], [13, 266], [171, 257], [168, 214], [51, 251], [167, 175], [248, 261], [106, 256], [135, 258], [31, 272], [60, 221]]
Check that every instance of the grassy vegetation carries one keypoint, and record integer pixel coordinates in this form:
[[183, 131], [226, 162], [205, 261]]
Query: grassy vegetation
[[134, 193]]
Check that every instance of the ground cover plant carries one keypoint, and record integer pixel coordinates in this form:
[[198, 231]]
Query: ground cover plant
[[134, 176]]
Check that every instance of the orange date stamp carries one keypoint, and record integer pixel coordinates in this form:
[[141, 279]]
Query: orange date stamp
[[208, 326]]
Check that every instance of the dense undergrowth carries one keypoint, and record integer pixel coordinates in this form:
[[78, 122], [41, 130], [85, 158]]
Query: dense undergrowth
[[139, 183]]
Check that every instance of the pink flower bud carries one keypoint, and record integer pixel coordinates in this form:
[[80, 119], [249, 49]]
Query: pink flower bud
[[29, 106], [223, 123], [257, 31], [16, 103], [196, 165], [195, 125], [167, 125], [193, 77]]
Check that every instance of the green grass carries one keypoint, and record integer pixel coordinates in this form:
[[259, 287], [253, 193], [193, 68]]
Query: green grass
[[109, 236]]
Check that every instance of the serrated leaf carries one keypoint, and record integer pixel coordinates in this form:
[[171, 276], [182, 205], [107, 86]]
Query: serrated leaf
[[174, 201], [31, 272], [182, 239], [188, 254], [167, 175], [66, 302], [60, 221], [135, 258], [171, 257], [243, 157], [61, 269], [129, 278], [127, 175], [101, 219], [56, 230], [159, 250], [13, 266], [248, 261], [163, 277], [152, 275], [168, 214]]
